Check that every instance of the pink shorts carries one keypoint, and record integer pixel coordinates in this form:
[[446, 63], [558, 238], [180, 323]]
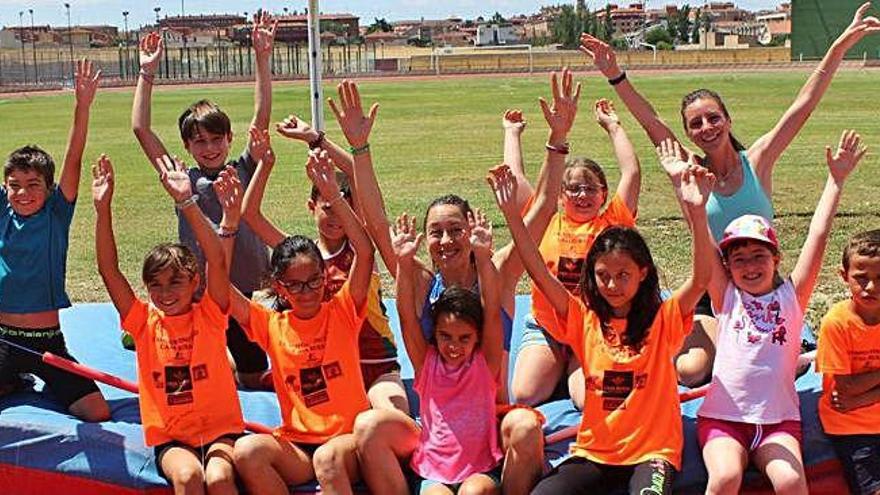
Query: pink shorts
[[750, 436]]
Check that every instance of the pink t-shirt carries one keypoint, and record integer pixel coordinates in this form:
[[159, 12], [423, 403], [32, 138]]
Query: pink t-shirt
[[759, 339], [459, 428]]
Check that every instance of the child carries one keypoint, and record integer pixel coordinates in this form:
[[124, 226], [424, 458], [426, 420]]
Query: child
[[542, 361], [751, 411], [457, 371], [625, 338], [188, 402], [849, 343], [207, 135], [33, 260], [315, 363], [378, 350]]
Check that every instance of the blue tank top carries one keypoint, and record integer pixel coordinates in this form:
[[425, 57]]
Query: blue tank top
[[437, 288], [750, 199]]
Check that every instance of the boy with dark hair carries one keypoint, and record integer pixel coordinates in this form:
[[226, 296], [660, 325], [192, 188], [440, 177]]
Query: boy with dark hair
[[35, 218], [849, 358], [206, 132]]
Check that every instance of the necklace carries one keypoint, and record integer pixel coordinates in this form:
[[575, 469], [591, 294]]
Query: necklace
[[721, 180]]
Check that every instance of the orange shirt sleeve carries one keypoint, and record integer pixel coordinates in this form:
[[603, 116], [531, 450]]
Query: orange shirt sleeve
[[258, 330], [568, 331], [831, 354], [135, 322], [618, 214], [216, 320]]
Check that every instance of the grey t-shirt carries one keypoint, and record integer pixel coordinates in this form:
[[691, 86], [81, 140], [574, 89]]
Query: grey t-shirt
[[250, 260]]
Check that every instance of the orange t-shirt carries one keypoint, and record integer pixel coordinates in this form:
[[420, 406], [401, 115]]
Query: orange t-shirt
[[565, 245], [187, 392], [631, 408], [315, 367], [847, 346]]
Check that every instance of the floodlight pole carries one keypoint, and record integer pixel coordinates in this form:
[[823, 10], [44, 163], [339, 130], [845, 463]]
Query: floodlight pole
[[317, 93]]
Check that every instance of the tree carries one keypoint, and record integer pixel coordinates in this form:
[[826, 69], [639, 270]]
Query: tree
[[695, 32], [658, 35], [684, 24], [380, 25], [608, 30], [497, 19], [567, 27]]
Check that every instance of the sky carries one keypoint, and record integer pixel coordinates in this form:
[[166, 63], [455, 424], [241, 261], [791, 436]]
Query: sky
[[141, 12]]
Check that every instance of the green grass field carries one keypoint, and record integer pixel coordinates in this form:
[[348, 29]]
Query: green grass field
[[435, 137]]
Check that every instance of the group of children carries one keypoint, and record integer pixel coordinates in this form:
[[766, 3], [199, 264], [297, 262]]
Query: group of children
[[600, 325]]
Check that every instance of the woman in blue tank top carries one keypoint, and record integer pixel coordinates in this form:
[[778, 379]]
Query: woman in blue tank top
[[744, 175]]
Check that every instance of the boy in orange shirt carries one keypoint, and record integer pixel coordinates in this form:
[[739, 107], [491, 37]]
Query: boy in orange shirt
[[849, 358], [188, 401]]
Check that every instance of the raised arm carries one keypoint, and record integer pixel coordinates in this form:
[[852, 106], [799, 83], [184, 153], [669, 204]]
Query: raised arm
[[177, 184], [696, 185], [492, 343], [150, 54], [230, 193], [405, 243], [766, 150], [322, 174], [504, 188], [630, 172], [514, 125], [105, 242], [86, 82], [605, 60], [844, 160], [263, 39], [251, 211]]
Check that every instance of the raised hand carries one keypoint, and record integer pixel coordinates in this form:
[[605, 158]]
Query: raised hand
[[405, 240], [86, 80], [320, 170], [605, 114], [696, 186], [860, 26], [230, 193], [513, 121], [263, 33], [601, 54], [481, 231], [560, 113], [174, 178], [672, 158], [259, 143], [151, 52], [294, 128], [102, 182], [350, 116], [848, 154], [503, 185]]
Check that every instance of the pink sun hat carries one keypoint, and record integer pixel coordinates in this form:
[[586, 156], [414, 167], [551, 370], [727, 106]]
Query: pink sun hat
[[753, 227]]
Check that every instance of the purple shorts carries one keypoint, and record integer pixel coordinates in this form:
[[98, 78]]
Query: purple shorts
[[750, 436]]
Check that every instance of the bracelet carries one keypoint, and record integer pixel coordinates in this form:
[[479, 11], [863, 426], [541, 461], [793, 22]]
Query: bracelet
[[617, 80], [225, 233], [187, 202], [359, 151], [147, 76], [562, 149], [317, 142]]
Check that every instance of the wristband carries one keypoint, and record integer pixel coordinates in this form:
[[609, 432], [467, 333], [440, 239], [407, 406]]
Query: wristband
[[360, 151], [562, 149], [317, 142], [187, 202], [617, 80], [225, 233]]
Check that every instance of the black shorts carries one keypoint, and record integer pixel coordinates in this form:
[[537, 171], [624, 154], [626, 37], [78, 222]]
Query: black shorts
[[578, 475], [248, 356], [201, 451], [860, 456], [64, 385], [704, 306]]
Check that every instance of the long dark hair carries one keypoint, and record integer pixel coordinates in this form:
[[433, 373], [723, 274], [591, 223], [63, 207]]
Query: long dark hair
[[708, 94], [644, 304], [288, 249], [463, 303]]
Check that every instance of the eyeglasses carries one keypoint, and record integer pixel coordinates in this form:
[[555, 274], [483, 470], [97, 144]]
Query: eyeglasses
[[298, 286], [589, 190]]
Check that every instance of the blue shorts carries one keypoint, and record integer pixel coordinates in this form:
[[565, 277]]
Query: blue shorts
[[534, 334], [860, 456]]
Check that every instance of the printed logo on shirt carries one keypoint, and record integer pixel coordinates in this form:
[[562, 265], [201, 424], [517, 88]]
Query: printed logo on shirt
[[762, 319], [568, 272], [616, 387], [178, 385], [313, 386], [332, 370], [174, 349], [200, 372]]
